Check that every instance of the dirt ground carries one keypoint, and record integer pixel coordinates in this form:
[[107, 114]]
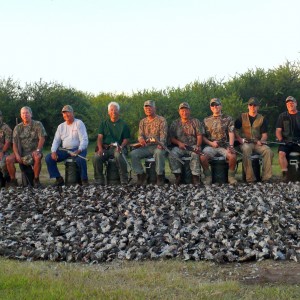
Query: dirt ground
[[264, 272]]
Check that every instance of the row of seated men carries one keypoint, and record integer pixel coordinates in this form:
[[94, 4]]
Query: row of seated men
[[202, 141]]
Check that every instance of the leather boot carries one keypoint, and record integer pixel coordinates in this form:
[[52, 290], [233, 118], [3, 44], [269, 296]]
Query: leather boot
[[177, 178], [141, 179], [160, 180], [195, 180], [285, 176]]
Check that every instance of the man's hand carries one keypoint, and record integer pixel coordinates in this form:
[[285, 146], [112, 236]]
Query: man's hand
[[18, 159], [54, 156], [181, 145], [100, 151], [215, 144], [231, 149], [142, 142]]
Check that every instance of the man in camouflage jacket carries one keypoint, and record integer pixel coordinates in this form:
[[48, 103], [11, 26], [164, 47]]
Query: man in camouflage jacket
[[28, 141], [219, 138], [152, 128], [186, 132], [5, 144]]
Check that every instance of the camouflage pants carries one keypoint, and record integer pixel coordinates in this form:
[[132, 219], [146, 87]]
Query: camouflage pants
[[267, 157], [175, 165], [3, 168]]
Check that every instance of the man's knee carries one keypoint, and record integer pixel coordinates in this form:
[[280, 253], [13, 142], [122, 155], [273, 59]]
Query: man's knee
[[10, 159], [281, 154]]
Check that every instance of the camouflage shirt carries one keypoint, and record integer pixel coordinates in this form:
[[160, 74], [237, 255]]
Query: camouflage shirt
[[5, 134], [186, 132], [217, 128], [156, 128], [28, 136]]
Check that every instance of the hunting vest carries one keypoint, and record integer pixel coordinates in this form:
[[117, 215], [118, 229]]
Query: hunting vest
[[251, 132]]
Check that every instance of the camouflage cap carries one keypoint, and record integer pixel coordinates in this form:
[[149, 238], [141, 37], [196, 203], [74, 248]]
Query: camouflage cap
[[184, 105], [253, 100], [215, 100], [27, 160], [290, 98], [149, 103], [68, 108]]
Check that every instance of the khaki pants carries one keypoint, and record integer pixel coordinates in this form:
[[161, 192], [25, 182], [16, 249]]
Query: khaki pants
[[267, 157]]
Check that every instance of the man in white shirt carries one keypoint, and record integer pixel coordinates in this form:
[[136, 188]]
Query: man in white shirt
[[73, 136]]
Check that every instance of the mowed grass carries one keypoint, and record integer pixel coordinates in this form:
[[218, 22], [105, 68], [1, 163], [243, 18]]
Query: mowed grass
[[170, 279]]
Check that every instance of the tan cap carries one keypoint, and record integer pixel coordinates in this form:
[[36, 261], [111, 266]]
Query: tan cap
[[68, 108], [149, 103], [184, 105]]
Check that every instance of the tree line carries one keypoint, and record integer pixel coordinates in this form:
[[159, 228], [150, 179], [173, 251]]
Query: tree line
[[46, 100]]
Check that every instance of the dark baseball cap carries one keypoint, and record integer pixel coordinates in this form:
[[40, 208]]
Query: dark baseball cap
[[253, 100], [216, 101]]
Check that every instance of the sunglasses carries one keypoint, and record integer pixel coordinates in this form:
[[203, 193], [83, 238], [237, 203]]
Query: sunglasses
[[252, 104], [214, 104]]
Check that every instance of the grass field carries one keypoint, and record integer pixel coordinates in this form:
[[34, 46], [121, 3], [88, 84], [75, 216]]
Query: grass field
[[170, 279]]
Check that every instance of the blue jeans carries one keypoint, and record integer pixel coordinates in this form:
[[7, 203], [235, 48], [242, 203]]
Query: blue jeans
[[63, 155]]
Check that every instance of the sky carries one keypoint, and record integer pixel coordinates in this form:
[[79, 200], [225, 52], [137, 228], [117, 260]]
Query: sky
[[125, 46]]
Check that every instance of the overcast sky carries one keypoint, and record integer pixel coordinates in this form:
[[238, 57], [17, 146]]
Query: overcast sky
[[130, 45]]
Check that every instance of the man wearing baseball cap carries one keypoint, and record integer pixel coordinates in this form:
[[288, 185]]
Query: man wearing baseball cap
[[186, 132], [219, 138], [288, 132], [152, 127], [73, 136], [253, 128]]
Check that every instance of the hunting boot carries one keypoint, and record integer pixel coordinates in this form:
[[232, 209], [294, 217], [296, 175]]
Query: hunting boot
[[195, 180], [124, 179], [285, 176], [177, 178], [208, 178], [231, 177], [141, 179], [59, 182], [36, 183], [160, 180], [13, 183]]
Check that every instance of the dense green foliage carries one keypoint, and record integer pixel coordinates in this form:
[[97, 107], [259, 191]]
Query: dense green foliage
[[271, 87]]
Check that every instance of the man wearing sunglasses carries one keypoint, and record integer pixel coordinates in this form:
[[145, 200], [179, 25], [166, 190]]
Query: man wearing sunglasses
[[219, 138], [288, 132], [253, 129]]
